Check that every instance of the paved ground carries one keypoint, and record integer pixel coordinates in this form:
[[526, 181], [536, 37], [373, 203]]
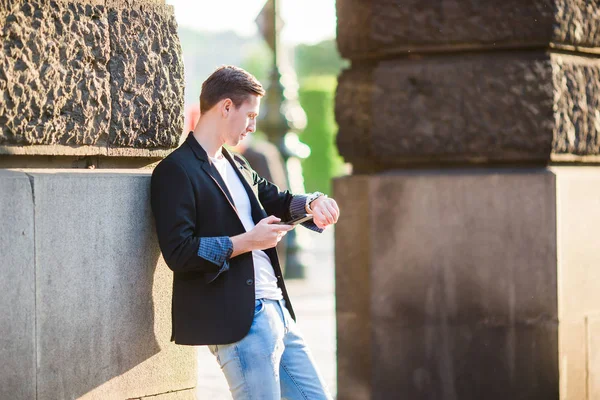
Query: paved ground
[[313, 300]]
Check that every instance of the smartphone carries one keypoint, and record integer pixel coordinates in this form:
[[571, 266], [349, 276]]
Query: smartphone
[[297, 220]]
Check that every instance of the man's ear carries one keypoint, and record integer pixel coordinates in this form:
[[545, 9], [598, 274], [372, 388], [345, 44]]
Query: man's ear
[[226, 107]]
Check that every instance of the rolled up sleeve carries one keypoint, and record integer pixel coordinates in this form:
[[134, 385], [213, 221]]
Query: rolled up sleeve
[[217, 250]]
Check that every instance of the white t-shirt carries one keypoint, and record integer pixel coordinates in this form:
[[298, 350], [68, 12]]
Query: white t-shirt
[[265, 282]]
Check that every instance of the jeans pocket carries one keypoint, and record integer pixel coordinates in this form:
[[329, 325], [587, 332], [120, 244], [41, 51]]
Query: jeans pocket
[[259, 306]]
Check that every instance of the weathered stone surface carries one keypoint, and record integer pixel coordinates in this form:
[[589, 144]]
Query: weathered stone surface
[[448, 253], [573, 342], [17, 288], [578, 214], [465, 362], [459, 285], [593, 364], [355, 113], [509, 107], [85, 74], [578, 218], [147, 102], [353, 286], [103, 291], [54, 80], [376, 28], [576, 82]]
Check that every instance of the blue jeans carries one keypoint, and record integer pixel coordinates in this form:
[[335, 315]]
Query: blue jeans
[[272, 361]]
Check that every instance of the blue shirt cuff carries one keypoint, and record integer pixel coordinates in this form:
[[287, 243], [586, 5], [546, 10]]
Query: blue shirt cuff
[[216, 250]]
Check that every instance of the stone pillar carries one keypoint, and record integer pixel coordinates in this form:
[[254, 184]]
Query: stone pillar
[[466, 255], [97, 82], [85, 296]]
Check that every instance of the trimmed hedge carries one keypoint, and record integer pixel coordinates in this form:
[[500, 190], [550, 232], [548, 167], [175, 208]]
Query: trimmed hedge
[[316, 97]]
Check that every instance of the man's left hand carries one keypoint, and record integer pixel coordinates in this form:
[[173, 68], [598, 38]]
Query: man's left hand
[[325, 212]]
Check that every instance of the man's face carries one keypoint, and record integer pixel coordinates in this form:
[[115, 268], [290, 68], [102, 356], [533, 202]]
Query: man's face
[[242, 121]]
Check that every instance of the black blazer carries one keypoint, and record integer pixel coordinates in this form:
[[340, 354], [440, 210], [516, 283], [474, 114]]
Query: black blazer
[[189, 201]]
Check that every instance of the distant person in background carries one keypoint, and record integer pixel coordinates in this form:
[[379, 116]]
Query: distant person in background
[[217, 223]]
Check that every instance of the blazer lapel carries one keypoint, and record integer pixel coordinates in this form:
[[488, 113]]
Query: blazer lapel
[[210, 169], [240, 170], [216, 177]]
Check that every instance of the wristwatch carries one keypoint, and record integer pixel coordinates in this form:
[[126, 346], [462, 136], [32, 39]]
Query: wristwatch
[[312, 197]]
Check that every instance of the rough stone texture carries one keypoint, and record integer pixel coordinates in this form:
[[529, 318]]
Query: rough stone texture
[[576, 82], [17, 288], [89, 78], [578, 218], [147, 102], [375, 28], [459, 285], [577, 23], [54, 80], [506, 107], [103, 293]]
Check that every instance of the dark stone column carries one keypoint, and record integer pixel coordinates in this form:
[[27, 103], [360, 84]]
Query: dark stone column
[[462, 250]]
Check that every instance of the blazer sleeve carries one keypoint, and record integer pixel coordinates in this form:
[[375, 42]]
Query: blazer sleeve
[[173, 205]]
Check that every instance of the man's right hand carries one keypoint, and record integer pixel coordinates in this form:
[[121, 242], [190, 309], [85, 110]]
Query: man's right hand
[[265, 235]]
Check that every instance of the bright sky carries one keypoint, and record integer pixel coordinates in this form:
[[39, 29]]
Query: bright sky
[[306, 21]]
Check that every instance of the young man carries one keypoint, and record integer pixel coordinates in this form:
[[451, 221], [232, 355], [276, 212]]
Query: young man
[[218, 223]]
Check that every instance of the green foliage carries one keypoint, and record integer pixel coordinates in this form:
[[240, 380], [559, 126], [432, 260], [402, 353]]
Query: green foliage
[[319, 59], [258, 61], [318, 67], [317, 99]]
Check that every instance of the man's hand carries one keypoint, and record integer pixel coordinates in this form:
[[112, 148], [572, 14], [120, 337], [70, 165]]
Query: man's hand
[[266, 234], [325, 211]]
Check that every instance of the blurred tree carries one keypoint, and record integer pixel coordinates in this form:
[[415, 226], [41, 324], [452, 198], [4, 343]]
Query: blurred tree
[[317, 68], [319, 59], [258, 61], [317, 95], [205, 51]]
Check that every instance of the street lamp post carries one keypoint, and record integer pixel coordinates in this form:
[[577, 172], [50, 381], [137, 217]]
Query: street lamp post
[[281, 116]]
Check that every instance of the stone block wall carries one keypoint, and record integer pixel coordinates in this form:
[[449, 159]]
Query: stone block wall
[[86, 296], [466, 254], [468, 82]]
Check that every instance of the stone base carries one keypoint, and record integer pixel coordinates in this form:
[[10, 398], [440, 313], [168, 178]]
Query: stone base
[[76, 162], [87, 293], [469, 284], [17, 288], [189, 394]]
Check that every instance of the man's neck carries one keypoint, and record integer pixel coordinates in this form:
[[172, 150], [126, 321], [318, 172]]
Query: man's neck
[[208, 137]]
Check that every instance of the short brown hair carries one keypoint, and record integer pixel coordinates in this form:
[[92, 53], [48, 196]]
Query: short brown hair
[[229, 82]]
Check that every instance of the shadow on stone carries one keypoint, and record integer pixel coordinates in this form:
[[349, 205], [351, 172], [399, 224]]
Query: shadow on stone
[[99, 291]]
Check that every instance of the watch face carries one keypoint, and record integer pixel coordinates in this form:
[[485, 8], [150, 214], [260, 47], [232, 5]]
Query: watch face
[[315, 195]]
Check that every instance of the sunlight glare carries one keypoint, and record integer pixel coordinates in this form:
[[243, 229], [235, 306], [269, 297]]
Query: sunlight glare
[[306, 21]]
